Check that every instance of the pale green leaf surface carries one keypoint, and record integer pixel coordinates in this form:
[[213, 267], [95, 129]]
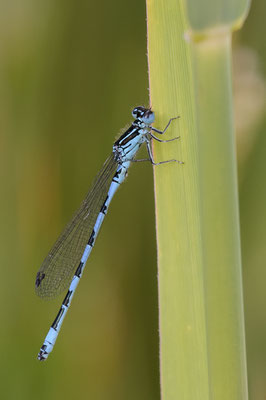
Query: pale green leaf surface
[[202, 345]]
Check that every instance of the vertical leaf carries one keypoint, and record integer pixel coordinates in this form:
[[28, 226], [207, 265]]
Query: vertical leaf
[[202, 351]]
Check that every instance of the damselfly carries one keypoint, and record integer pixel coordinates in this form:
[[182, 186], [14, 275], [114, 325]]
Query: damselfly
[[65, 263]]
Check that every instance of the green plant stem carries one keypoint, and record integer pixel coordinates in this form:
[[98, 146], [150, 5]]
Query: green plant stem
[[219, 217], [183, 351], [202, 352]]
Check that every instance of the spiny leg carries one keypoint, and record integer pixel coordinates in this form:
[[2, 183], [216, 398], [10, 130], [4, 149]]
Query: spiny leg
[[148, 144], [165, 129], [163, 141]]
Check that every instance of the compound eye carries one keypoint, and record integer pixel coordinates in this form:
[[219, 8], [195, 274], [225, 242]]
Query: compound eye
[[135, 112], [148, 117]]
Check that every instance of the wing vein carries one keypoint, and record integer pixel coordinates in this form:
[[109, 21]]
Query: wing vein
[[61, 262]]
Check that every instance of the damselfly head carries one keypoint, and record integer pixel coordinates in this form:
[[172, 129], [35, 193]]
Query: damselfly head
[[144, 114]]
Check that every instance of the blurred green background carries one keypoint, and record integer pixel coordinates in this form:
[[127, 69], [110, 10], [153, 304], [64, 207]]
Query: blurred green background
[[70, 73]]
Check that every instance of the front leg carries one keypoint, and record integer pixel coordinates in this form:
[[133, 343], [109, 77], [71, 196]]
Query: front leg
[[167, 126]]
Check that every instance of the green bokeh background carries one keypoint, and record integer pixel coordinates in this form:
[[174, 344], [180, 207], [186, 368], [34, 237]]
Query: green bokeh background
[[70, 73]]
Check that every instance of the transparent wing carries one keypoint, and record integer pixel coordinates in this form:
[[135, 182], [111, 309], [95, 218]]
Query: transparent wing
[[59, 266]]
